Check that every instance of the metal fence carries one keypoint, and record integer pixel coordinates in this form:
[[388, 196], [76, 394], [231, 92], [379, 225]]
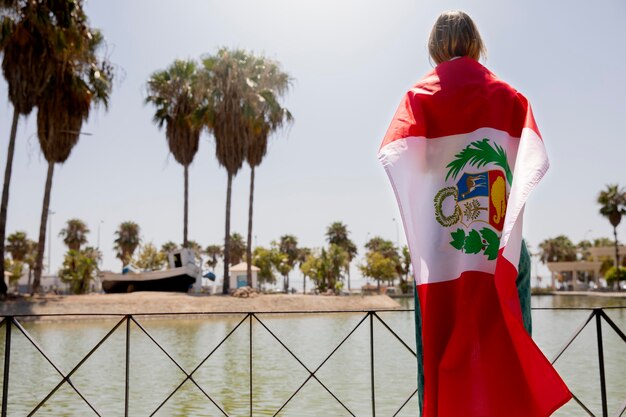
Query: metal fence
[[250, 320]]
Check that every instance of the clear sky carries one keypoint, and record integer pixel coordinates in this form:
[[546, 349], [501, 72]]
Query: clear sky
[[351, 61]]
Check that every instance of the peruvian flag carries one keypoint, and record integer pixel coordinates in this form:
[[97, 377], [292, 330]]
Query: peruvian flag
[[463, 153]]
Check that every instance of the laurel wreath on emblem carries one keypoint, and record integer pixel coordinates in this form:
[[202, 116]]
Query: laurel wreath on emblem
[[477, 154], [442, 219]]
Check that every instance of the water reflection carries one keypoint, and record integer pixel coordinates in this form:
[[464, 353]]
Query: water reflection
[[223, 370]]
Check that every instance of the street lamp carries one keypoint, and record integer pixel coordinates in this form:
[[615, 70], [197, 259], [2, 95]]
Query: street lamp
[[99, 224], [397, 232], [50, 214]]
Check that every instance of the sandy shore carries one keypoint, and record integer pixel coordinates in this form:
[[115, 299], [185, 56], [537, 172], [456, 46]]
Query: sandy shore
[[160, 302]]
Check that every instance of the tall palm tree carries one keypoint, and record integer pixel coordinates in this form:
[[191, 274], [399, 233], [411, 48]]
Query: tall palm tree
[[267, 117], [613, 201], [32, 38], [337, 234], [81, 80], [74, 234], [229, 94], [127, 241], [176, 95]]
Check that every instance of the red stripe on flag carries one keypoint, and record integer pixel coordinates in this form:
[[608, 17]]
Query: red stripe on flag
[[478, 359], [457, 97]]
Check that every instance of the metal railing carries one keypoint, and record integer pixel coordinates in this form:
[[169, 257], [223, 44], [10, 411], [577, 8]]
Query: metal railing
[[253, 319]]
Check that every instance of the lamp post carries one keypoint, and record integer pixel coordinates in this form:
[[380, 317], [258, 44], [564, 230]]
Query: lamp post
[[397, 233], [98, 247], [50, 214]]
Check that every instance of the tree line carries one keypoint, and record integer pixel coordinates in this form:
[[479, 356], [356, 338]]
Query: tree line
[[327, 267]]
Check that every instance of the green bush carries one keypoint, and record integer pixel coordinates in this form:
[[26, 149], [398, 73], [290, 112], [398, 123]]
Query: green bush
[[613, 275]]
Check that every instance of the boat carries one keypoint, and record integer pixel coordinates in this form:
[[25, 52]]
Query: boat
[[179, 277]]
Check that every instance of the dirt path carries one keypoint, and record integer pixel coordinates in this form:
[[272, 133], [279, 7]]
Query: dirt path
[[159, 302]]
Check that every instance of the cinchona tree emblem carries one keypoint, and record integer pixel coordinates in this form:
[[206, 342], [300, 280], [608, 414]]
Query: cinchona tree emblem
[[476, 197]]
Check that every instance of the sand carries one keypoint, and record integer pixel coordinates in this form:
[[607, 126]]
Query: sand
[[162, 302]]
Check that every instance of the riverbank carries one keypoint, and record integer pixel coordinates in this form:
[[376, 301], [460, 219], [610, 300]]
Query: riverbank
[[614, 294], [161, 302]]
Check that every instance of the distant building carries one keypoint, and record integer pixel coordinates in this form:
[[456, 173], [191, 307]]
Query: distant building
[[587, 270], [239, 276]]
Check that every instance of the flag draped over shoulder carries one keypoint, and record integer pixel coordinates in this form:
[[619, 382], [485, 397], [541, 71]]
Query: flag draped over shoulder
[[463, 153]]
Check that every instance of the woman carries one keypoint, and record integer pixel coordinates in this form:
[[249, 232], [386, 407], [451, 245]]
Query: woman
[[463, 153]]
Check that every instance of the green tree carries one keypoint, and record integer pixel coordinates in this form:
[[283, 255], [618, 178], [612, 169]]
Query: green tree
[[266, 117], [303, 254], [288, 246], [18, 245], [614, 275], [214, 252], [558, 249], [74, 234], [177, 96], [80, 80], [379, 267], [80, 267], [33, 36], [406, 281], [225, 112], [613, 207], [150, 258], [127, 241], [168, 247], [264, 260], [237, 249], [337, 233], [23, 250], [387, 249]]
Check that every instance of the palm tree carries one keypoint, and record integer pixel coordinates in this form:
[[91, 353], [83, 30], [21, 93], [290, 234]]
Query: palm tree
[[18, 246], [303, 254], [228, 103], [168, 246], [237, 248], [176, 95], [74, 234], [267, 117], [79, 81], [613, 201], [288, 246], [33, 34], [337, 234], [127, 241], [214, 252], [558, 249]]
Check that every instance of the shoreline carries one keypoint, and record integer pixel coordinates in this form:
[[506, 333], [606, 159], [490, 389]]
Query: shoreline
[[164, 304]]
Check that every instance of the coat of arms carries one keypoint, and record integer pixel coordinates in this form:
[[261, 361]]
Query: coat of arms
[[477, 201]]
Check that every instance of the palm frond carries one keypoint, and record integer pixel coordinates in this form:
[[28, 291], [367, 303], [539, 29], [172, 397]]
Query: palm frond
[[479, 154]]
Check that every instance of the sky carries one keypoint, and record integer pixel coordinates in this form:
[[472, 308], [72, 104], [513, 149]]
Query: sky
[[351, 61]]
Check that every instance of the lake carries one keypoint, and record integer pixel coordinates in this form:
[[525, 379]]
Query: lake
[[276, 374]]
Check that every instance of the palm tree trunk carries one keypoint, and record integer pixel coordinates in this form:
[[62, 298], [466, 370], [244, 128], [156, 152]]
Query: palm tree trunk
[[186, 215], [5, 196], [617, 270], [249, 249], [42, 229], [229, 188]]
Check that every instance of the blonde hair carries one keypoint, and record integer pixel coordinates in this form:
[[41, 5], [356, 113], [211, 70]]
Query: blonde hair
[[455, 34]]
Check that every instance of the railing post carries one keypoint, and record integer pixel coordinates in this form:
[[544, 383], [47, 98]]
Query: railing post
[[7, 361], [598, 314], [372, 363], [127, 365], [250, 352]]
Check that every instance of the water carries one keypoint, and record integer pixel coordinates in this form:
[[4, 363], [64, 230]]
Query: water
[[276, 375]]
